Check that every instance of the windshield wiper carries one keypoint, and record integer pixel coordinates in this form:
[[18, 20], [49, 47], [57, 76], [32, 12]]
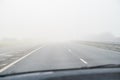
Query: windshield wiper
[[69, 69]]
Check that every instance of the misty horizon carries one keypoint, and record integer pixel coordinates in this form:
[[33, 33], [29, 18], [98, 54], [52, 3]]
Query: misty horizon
[[58, 20]]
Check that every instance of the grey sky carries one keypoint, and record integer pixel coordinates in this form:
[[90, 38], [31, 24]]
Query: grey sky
[[61, 19]]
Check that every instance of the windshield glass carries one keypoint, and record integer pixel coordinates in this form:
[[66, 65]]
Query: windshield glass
[[58, 34]]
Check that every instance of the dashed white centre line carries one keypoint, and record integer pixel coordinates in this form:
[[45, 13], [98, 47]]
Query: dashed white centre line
[[6, 67], [83, 61], [69, 50]]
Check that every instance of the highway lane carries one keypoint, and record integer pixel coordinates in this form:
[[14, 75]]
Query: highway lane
[[61, 56], [95, 56], [11, 53]]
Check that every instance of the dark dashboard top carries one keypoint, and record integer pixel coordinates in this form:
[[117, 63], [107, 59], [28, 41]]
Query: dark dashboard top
[[88, 74]]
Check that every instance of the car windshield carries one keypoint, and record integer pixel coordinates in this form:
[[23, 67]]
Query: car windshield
[[38, 35]]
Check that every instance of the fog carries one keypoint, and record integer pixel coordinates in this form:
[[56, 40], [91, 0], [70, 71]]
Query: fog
[[58, 20]]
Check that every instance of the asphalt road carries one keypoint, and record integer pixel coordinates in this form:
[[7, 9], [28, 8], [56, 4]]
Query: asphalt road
[[62, 56], [10, 53]]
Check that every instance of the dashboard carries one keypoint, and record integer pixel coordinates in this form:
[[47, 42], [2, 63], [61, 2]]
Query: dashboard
[[85, 74]]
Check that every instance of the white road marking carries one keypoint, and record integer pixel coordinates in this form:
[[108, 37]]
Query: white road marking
[[69, 50], [6, 67], [83, 61]]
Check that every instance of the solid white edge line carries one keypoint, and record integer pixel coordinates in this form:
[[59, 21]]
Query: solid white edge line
[[9, 65]]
